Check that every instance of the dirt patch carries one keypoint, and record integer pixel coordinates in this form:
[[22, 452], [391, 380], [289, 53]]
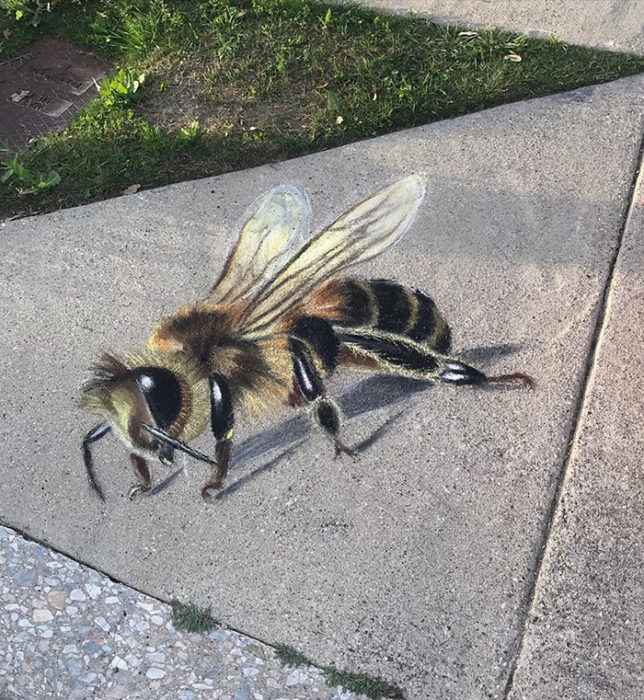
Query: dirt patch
[[195, 90]]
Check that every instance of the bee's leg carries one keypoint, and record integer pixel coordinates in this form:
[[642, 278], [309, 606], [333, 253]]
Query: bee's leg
[[398, 354], [296, 397], [94, 434], [325, 411], [221, 422], [455, 372], [327, 415], [143, 471], [525, 379]]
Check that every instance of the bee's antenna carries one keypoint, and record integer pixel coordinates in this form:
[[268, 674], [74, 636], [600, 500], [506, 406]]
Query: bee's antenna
[[161, 435], [94, 434]]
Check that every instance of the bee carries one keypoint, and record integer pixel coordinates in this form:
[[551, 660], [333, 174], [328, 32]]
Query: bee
[[277, 323]]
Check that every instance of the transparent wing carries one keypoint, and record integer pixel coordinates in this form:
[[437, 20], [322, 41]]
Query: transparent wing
[[269, 237], [360, 234]]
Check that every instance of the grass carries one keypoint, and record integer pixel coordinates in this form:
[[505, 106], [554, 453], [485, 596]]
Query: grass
[[231, 84], [291, 657], [355, 682], [189, 617], [360, 683]]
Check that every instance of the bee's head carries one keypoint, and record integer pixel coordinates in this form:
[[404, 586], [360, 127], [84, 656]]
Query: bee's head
[[132, 397], [155, 401], [140, 394]]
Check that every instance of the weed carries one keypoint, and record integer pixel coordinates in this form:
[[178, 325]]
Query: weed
[[24, 180], [189, 617], [290, 656], [122, 87], [28, 10], [326, 20], [360, 683], [226, 33], [192, 133], [355, 682]]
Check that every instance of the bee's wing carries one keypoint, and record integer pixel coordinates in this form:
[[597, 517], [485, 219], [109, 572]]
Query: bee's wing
[[361, 233], [268, 238]]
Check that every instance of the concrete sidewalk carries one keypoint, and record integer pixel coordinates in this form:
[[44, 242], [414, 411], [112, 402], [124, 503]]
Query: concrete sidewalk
[[585, 632], [602, 24], [417, 563]]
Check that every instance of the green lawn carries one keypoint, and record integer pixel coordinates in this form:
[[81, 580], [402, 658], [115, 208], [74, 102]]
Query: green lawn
[[230, 85]]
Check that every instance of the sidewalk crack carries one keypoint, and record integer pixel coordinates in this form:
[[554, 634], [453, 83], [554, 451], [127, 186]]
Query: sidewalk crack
[[579, 413]]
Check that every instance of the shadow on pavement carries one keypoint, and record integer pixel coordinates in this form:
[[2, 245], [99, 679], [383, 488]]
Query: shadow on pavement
[[367, 395]]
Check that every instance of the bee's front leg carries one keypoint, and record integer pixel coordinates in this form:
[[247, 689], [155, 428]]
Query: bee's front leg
[[325, 411], [221, 423], [143, 471], [96, 433]]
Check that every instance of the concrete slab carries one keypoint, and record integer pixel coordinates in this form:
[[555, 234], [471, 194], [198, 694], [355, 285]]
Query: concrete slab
[[586, 627], [415, 562], [606, 24]]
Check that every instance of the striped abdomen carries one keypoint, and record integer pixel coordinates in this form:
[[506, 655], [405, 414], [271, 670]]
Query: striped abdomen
[[382, 305]]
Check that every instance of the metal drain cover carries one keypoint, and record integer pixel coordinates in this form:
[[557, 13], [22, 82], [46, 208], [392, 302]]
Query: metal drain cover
[[41, 90]]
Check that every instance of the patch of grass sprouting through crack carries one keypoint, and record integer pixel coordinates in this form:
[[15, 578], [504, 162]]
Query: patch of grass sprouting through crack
[[189, 617], [354, 682]]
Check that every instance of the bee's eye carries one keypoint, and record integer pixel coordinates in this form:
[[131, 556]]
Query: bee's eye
[[162, 392]]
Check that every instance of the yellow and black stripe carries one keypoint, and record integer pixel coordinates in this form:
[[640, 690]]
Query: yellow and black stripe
[[382, 305]]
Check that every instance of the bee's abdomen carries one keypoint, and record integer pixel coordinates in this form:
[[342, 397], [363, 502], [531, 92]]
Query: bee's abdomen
[[388, 306], [428, 325], [394, 306]]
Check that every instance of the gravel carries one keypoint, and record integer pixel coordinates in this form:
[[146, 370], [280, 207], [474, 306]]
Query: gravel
[[68, 631]]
